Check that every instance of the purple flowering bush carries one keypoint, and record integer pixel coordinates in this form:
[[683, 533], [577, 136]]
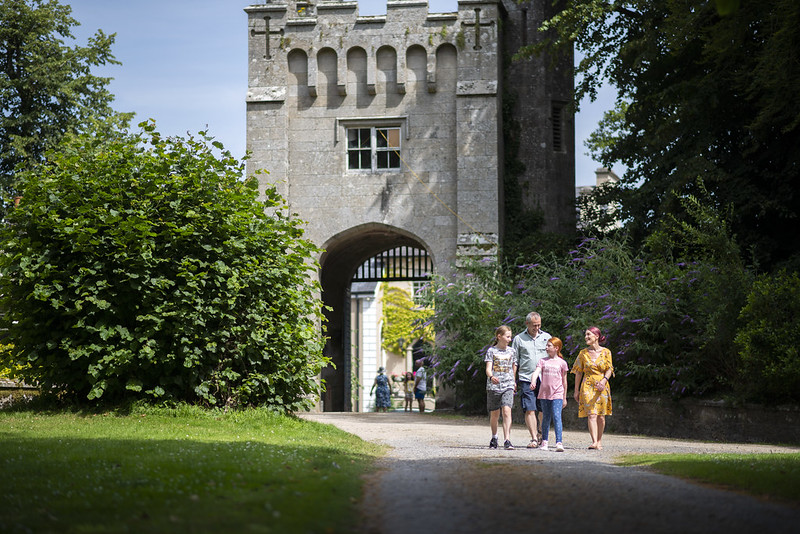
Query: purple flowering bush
[[667, 322]]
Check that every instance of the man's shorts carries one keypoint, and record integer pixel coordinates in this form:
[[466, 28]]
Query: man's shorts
[[419, 393], [495, 401], [528, 398]]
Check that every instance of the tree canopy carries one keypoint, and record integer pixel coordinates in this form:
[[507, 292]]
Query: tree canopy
[[46, 86], [705, 90], [138, 266]]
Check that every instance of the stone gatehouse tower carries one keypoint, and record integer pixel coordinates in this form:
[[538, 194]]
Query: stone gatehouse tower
[[387, 131]]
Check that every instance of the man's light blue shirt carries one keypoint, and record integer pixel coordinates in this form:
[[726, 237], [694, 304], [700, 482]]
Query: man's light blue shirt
[[529, 351]]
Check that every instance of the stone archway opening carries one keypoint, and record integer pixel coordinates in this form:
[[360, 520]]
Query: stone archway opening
[[371, 253]]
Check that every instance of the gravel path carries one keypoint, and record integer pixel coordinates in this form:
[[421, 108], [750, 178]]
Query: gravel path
[[440, 476]]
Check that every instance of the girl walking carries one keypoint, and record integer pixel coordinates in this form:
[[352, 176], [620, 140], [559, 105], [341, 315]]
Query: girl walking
[[408, 387], [501, 367], [553, 391]]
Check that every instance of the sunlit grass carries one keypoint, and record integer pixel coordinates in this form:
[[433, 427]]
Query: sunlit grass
[[177, 470], [764, 475]]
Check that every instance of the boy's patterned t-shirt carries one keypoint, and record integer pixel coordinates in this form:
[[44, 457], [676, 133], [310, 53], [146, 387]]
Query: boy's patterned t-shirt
[[503, 362]]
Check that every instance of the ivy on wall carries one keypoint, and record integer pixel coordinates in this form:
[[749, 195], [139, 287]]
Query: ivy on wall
[[403, 321]]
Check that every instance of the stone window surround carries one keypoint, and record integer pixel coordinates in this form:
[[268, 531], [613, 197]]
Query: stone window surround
[[343, 124]]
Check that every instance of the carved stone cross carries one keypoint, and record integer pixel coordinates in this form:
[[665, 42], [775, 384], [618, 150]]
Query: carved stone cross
[[477, 25], [266, 33]]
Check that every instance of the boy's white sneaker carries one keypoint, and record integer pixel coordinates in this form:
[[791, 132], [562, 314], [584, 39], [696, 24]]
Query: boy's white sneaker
[[559, 447], [544, 445]]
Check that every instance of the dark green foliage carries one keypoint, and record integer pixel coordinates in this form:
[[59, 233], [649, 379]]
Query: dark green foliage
[[141, 266], [767, 339], [670, 322], [46, 87], [704, 89]]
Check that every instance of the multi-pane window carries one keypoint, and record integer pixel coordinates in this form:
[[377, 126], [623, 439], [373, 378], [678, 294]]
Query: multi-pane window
[[421, 290], [373, 149]]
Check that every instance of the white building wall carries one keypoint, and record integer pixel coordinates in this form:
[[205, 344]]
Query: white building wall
[[370, 344]]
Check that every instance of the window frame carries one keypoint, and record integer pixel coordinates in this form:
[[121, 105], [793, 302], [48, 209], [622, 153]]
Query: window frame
[[400, 124]]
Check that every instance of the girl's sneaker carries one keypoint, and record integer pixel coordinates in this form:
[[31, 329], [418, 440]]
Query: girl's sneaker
[[544, 445], [559, 447]]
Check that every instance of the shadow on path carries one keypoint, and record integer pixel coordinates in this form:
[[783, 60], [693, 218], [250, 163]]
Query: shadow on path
[[441, 477]]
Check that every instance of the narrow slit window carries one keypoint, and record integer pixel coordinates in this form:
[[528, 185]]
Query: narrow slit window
[[557, 120]]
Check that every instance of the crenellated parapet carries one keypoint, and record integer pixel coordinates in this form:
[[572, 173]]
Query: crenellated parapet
[[316, 33]]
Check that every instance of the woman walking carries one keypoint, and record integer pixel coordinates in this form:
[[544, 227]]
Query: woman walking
[[593, 368], [383, 396]]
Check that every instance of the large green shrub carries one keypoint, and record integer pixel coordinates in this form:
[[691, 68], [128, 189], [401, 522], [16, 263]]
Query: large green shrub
[[142, 266], [767, 339]]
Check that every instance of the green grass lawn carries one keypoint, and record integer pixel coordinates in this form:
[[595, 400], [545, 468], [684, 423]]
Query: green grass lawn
[[774, 476], [177, 470]]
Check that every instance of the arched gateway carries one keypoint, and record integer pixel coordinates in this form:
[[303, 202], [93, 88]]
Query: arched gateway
[[340, 264], [386, 131]]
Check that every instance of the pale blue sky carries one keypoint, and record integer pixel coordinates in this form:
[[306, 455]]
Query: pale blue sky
[[184, 64]]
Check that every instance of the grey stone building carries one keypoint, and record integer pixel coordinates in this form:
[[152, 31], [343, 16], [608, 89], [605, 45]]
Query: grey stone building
[[388, 131]]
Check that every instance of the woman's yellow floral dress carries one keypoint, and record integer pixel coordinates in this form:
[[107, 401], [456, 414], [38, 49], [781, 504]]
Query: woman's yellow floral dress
[[593, 402]]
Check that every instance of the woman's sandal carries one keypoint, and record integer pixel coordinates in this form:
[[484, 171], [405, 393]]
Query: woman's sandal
[[533, 444]]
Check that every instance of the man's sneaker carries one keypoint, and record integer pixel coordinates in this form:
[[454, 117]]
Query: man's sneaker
[[544, 445], [559, 447], [508, 444], [493, 443]]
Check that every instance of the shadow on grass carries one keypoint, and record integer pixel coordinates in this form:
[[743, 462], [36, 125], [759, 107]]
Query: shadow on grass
[[71, 484]]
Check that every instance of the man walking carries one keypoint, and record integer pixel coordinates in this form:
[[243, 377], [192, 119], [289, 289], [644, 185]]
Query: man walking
[[530, 346]]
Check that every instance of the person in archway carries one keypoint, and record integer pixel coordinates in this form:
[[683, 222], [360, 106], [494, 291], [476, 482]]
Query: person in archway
[[383, 396], [530, 347], [408, 388], [420, 384], [593, 368]]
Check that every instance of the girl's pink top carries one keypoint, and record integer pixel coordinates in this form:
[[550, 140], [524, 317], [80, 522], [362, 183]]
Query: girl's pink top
[[553, 372]]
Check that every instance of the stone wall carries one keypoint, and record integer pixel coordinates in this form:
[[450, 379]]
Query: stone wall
[[541, 91], [693, 419]]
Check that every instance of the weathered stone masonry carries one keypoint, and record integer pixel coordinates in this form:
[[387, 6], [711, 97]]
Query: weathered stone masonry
[[328, 69], [318, 70]]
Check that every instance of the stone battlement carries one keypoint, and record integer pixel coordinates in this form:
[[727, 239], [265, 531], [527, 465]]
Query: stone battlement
[[282, 29]]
